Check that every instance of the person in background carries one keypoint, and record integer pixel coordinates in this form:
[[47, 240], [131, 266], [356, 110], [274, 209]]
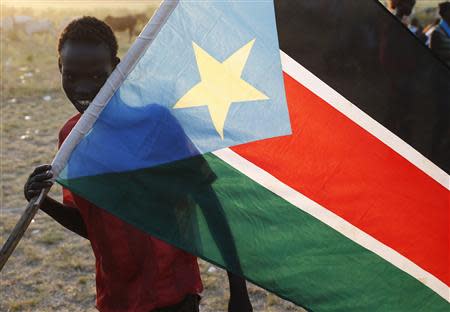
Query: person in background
[[416, 28], [428, 30], [402, 9], [440, 38]]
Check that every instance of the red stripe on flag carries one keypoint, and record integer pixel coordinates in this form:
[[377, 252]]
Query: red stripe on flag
[[341, 166]]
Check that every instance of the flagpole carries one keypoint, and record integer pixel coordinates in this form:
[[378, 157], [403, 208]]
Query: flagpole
[[21, 226], [87, 120]]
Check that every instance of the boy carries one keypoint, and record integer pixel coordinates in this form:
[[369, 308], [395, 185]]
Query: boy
[[134, 271], [440, 38]]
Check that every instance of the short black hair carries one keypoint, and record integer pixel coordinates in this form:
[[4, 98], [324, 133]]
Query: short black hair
[[89, 29], [444, 7]]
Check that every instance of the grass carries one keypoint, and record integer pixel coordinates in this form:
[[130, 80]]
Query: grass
[[22, 305], [50, 238], [52, 269]]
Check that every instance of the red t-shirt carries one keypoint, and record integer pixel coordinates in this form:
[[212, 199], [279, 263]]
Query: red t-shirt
[[134, 271]]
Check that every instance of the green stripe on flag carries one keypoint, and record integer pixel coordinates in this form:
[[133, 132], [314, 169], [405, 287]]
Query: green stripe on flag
[[279, 247]]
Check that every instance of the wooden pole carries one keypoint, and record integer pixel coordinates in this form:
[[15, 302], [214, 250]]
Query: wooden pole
[[21, 227]]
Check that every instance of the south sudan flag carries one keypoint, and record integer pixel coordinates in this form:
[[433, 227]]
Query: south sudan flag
[[301, 144]]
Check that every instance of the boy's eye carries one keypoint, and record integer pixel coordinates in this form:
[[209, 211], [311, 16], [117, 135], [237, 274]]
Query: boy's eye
[[68, 76]]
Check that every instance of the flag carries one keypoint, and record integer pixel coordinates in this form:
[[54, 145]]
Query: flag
[[323, 177]]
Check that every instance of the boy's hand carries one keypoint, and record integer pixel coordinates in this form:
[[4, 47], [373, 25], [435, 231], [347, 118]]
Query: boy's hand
[[38, 180]]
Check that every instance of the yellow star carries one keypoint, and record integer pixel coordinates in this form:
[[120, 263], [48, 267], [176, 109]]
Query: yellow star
[[221, 85]]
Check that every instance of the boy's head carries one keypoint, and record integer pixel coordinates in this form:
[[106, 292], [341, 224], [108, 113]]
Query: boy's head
[[444, 11], [87, 51]]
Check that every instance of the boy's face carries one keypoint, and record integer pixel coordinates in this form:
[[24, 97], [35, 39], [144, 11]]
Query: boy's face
[[84, 67]]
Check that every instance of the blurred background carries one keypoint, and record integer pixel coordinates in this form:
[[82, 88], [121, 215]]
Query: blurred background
[[53, 269], [424, 10]]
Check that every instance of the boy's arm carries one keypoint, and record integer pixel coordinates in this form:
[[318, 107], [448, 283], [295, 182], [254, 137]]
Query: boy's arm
[[67, 216]]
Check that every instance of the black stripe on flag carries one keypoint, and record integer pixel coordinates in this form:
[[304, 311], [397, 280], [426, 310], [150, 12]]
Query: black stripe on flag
[[359, 49]]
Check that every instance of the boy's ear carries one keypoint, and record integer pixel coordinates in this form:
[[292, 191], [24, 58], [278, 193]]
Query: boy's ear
[[59, 65]]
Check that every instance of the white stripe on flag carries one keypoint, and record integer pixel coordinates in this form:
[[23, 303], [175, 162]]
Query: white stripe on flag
[[339, 224], [351, 111]]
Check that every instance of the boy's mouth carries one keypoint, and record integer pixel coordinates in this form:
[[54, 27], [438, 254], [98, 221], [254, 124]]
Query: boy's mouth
[[84, 103]]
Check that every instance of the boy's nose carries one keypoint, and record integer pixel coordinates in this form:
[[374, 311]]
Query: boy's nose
[[84, 96], [85, 92]]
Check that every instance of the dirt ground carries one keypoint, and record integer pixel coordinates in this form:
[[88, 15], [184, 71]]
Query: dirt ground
[[53, 269]]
